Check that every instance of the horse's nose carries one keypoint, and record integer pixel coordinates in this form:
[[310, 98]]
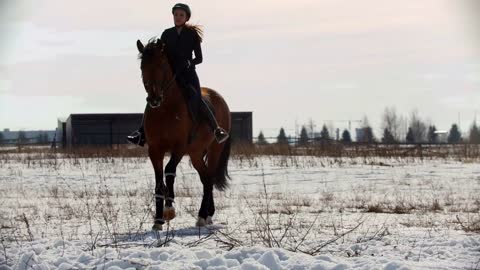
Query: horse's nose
[[154, 103]]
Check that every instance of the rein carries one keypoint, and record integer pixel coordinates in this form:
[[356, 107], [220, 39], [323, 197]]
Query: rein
[[164, 89], [170, 83]]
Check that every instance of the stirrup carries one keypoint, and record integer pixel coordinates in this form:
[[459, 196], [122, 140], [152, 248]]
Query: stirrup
[[221, 135]]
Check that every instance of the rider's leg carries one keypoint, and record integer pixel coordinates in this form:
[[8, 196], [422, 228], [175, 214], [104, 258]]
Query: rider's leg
[[220, 134], [138, 136]]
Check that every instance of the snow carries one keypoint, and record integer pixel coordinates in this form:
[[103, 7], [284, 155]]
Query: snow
[[279, 213]]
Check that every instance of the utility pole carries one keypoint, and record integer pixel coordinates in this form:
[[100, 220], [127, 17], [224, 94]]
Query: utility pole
[[312, 126]]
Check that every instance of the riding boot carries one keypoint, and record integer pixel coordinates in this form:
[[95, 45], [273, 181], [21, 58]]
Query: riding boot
[[138, 136], [221, 134]]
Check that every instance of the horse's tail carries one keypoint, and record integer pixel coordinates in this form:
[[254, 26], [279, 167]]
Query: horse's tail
[[222, 168]]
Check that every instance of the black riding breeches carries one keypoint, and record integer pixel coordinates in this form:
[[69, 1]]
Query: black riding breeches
[[190, 85]]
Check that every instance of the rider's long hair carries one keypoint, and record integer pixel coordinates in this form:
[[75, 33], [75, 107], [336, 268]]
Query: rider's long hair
[[197, 28]]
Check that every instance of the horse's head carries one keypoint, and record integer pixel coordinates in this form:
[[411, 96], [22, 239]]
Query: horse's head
[[157, 75]]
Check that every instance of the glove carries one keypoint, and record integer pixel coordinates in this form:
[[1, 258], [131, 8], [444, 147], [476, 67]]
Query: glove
[[188, 64]]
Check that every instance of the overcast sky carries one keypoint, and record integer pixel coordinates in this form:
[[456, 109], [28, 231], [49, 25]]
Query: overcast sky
[[287, 61]]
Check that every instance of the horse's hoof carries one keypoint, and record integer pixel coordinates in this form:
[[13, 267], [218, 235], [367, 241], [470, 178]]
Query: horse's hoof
[[201, 222], [169, 213], [158, 224], [157, 227], [209, 220]]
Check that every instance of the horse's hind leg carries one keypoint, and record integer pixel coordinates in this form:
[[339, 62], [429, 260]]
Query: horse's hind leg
[[207, 208], [199, 165], [212, 164], [170, 173]]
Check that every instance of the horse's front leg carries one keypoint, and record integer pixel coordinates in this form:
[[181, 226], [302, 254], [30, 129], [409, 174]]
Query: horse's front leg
[[160, 192], [170, 174], [156, 158]]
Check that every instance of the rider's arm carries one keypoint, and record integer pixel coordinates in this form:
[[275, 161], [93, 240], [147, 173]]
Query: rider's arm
[[197, 49]]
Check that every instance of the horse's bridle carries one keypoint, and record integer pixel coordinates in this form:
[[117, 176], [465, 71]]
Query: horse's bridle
[[163, 89]]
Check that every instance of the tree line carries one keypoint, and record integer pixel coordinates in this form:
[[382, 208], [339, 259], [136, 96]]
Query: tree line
[[396, 129]]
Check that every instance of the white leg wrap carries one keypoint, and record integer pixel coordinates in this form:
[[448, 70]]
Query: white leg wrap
[[201, 222], [209, 220], [159, 220], [168, 208]]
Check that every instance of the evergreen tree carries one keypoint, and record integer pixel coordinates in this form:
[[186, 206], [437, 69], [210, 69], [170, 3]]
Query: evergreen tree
[[303, 136], [368, 135], [324, 135], [261, 139], [346, 137], [432, 136], [282, 138], [410, 138], [387, 136], [474, 136], [454, 135]]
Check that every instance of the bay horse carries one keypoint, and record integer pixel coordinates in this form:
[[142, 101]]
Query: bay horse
[[168, 126]]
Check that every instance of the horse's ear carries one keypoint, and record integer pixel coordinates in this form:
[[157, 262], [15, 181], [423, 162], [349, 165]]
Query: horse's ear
[[140, 46]]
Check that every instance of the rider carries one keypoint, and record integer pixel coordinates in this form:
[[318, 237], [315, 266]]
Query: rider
[[180, 41]]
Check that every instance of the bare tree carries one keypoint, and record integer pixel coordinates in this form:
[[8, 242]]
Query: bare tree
[[418, 126], [391, 122], [403, 129]]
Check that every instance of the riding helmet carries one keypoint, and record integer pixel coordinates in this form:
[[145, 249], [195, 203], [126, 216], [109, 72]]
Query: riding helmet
[[183, 7]]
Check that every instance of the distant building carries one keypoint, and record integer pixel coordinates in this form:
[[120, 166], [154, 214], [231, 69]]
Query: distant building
[[112, 129], [97, 129], [242, 127], [27, 136], [442, 136], [360, 134]]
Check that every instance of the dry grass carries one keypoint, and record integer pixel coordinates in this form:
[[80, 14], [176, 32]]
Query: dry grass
[[467, 152], [354, 150]]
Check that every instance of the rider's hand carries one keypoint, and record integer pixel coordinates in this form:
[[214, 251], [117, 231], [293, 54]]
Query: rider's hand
[[188, 64]]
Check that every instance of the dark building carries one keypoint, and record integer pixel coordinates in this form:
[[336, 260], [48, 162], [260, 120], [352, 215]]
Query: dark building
[[112, 129], [242, 127]]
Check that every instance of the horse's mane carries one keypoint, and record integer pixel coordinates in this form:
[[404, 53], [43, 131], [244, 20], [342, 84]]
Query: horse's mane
[[149, 49]]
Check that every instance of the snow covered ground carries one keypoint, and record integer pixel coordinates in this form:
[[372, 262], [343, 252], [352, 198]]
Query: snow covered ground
[[279, 213]]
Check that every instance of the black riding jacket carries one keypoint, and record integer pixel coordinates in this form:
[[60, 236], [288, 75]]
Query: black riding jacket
[[179, 47]]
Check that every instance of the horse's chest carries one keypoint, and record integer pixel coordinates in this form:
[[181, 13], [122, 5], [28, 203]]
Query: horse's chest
[[167, 129]]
